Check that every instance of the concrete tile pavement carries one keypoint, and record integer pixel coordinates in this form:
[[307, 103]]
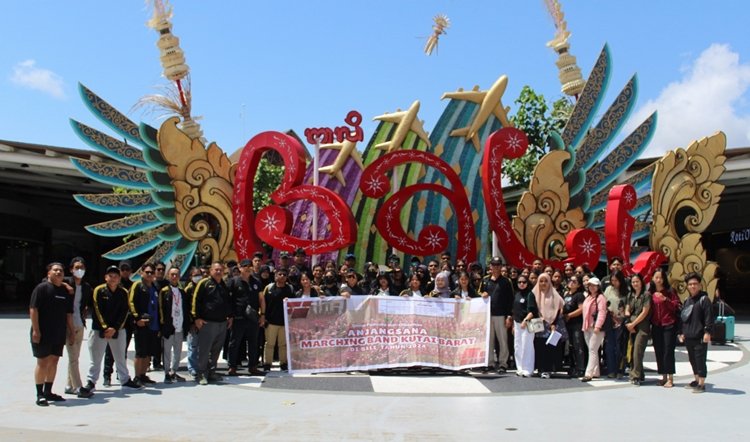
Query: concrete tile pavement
[[233, 412]]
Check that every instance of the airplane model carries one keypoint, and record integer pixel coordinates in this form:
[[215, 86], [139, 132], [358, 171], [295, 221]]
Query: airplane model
[[490, 102], [346, 149], [406, 121]]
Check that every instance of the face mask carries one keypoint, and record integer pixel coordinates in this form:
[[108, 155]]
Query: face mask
[[196, 279], [78, 273]]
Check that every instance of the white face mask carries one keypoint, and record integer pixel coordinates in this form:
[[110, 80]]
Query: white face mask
[[196, 279], [78, 273]]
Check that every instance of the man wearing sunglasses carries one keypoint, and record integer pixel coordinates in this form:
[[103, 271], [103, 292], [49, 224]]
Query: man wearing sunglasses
[[144, 307]]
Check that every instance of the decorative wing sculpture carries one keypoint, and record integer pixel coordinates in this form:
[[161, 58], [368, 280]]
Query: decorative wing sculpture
[[570, 184], [686, 180], [176, 194]]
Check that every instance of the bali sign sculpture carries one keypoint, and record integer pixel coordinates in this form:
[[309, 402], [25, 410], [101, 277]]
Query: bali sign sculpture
[[415, 193]]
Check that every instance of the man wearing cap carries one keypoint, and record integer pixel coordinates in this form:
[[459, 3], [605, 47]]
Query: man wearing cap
[[272, 313], [499, 290], [213, 313], [352, 282], [245, 291], [284, 261], [109, 305], [126, 270], [51, 313]]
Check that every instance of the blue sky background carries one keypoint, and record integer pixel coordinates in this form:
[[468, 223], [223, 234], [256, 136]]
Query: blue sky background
[[298, 64]]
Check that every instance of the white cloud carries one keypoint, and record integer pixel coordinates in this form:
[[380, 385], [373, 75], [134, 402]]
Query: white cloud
[[27, 75], [707, 99]]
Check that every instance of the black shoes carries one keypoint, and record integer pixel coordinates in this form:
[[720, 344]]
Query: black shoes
[[52, 397], [107, 381], [42, 401], [87, 391], [132, 384], [146, 380], [178, 378]]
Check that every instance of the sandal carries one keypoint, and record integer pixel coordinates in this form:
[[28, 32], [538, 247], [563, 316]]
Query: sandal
[[662, 382], [668, 384]]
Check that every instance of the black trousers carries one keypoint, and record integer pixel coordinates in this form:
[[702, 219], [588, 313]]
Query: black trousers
[[243, 331], [697, 352], [578, 349], [664, 340]]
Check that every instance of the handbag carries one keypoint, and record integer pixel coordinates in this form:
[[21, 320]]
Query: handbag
[[535, 325]]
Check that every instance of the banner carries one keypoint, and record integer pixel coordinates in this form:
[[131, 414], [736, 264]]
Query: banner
[[370, 332]]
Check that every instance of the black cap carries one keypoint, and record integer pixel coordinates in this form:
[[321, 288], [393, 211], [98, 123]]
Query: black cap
[[112, 269], [350, 256], [245, 262], [125, 265], [496, 261], [258, 255], [299, 251], [284, 255], [394, 257], [415, 259]]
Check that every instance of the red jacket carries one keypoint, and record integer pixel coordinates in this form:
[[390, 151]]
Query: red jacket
[[664, 311]]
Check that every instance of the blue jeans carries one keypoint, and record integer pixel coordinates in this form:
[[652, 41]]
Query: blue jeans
[[613, 350]]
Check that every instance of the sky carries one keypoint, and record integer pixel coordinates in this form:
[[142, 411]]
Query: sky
[[258, 66]]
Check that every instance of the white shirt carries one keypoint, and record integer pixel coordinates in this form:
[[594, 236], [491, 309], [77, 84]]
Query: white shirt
[[177, 310]]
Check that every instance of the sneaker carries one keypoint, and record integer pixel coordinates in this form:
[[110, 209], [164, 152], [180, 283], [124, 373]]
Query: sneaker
[[699, 389], [85, 393], [202, 380], [107, 381], [132, 384], [213, 377], [146, 380], [546, 375], [502, 370], [178, 378], [70, 390], [52, 397], [167, 378], [232, 372], [692, 384], [42, 401]]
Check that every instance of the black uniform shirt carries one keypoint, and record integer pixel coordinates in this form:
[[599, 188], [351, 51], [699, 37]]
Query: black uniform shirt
[[53, 304]]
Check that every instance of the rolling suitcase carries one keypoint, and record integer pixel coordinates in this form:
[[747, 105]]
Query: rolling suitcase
[[726, 323]]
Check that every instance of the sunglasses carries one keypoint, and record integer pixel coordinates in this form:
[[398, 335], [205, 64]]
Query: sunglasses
[[148, 272], [523, 282]]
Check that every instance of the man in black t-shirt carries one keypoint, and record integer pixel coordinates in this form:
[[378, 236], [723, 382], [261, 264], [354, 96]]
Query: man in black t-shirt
[[51, 312], [273, 315], [245, 291]]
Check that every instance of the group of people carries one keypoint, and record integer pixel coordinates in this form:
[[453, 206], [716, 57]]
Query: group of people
[[539, 315]]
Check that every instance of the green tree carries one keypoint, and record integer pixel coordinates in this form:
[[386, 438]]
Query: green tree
[[535, 118], [267, 179]]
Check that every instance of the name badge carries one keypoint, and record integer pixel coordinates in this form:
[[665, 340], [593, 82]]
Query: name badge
[[523, 301]]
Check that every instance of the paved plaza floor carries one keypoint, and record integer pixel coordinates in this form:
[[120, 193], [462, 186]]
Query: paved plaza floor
[[373, 406]]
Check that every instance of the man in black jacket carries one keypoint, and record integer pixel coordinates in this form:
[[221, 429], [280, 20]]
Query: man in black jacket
[[245, 291], [144, 307], [273, 297], [109, 305], [174, 314], [212, 310], [500, 291], [697, 322]]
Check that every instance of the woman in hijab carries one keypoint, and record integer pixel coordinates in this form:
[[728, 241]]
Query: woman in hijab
[[442, 286], [524, 309], [550, 304]]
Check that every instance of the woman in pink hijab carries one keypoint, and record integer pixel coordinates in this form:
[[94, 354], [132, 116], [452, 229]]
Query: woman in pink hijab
[[548, 358]]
